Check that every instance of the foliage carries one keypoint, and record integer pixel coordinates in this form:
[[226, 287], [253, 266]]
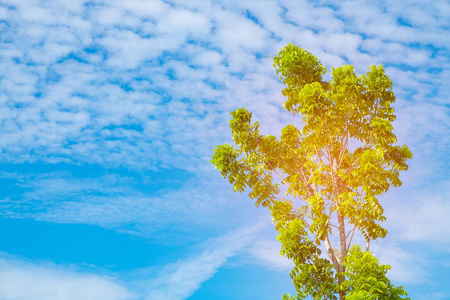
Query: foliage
[[366, 278], [323, 179]]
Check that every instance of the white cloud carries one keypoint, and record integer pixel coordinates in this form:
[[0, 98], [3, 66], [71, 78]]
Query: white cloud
[[178, 21], [406, 266], [267, 253], [181, 279], [123, 54], [176, 281], [26, 280], [122, 203], [307, 14], [144, 8], [235, 31], [425, 219]]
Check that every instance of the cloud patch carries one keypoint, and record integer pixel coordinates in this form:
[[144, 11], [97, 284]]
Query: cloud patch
[[26, 280]]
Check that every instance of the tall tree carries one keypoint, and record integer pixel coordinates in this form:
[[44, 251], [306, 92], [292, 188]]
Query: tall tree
[[325, 177]]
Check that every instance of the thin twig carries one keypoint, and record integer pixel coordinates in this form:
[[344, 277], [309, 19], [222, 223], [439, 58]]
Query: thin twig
[[353, 231], [333, 225], [350, 232]]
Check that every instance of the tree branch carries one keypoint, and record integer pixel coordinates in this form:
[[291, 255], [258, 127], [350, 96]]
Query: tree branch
[[350, 232], [342, 152], [350, 241], [317, 153], [333, 225]]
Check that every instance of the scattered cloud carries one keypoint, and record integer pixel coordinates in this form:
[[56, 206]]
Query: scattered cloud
[[111, 82]]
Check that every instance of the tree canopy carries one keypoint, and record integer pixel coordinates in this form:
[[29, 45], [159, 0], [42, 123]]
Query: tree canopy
[[324, 174]]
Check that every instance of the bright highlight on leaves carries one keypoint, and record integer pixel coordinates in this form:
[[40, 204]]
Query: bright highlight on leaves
[[327, 185]]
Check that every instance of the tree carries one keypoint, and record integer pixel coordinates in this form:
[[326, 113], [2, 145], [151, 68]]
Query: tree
[[324, 177]]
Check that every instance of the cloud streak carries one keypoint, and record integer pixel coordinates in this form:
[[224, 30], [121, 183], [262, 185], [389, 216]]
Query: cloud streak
[[139, 204], [180, 280]]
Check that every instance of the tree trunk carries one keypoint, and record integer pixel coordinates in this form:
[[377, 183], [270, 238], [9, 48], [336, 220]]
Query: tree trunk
[[331, 254], [336, 263], [341, 293], [343, 241]]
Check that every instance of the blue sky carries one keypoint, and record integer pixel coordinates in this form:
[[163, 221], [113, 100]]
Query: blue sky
[[110, 111]]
